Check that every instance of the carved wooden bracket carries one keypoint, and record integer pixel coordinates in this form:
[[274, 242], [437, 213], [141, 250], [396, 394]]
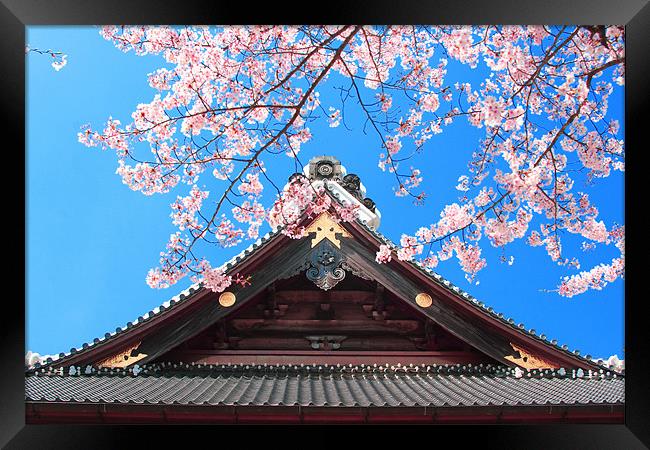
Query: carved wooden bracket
[[221, 337], [355, 271], [325, 342], [271, 307], [379, 307]]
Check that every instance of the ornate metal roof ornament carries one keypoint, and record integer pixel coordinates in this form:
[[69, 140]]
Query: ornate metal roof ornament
[[326, 228], [328, 169], [325, 262], [352, 183], [325, 168]]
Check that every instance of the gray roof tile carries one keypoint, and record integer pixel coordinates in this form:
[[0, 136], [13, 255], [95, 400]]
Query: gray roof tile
[[349, 386]]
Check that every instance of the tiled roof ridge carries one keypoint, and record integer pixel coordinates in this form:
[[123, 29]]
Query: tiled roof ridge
[[172, 369], [460, 293]]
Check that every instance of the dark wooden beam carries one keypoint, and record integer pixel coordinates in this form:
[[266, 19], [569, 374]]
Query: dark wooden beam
[[308, 326], [221, 338], [116, 413], [379, 311], [297, 357], [271, 310], [301, 296]]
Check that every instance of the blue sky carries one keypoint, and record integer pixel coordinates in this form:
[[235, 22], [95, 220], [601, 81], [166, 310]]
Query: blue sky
[[91, 240]]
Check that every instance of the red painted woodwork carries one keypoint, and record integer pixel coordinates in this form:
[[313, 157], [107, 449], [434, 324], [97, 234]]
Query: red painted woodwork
[[53, 413], [328, 358], [358, 324]]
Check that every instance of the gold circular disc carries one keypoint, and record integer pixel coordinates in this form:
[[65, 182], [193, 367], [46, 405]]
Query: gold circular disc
[[227, 299], [423, 300]]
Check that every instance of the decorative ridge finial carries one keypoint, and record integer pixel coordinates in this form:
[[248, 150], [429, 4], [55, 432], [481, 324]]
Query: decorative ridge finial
[[330, 169], [325, 168]]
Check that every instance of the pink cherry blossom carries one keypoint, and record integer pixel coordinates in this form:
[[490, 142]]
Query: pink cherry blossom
[[383, 254], [214, 278], [430, 102], [492, 111], [60, 64], [229, 99]]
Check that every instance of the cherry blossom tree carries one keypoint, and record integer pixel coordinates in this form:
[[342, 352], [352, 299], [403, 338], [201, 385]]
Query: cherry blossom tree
[[231, 98]]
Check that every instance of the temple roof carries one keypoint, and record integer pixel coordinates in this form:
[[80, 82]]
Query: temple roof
[[346, 386], [134, 366], [344, 189]]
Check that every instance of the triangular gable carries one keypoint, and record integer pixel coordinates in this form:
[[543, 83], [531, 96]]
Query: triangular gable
[[325, 256], [330, 251]]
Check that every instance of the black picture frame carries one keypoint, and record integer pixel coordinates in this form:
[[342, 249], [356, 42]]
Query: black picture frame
[[635, 14]]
